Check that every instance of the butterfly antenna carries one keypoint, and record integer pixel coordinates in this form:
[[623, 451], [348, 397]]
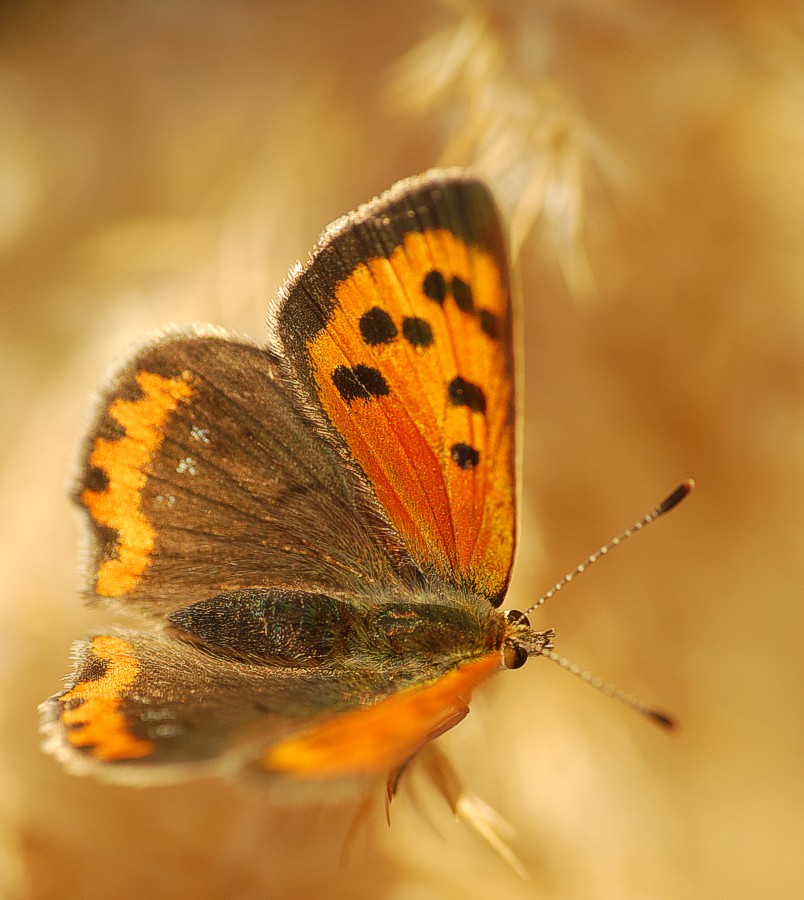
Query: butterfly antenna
[[664, 507], [659, 718], [609, 690]]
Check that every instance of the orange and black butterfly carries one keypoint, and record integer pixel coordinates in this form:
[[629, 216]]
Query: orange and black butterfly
[[314, 535]]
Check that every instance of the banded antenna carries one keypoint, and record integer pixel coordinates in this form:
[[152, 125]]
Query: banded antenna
[[660, 718]]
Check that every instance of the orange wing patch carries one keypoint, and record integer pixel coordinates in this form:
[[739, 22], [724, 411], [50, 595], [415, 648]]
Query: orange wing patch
[[414, 370], [91, 711], [123, 462], [382, 736]]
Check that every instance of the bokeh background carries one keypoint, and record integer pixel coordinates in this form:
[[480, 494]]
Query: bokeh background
[[167, 162]]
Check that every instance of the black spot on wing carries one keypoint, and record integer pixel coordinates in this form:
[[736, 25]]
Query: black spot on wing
[[462, 293], [417, 331], [464, 456], [95, 479], [489, 323], [377, 327], [465, 393], [359, 382], [107, 541], [435, 286]]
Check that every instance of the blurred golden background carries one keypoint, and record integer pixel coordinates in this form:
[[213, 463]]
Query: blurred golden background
[[167, 162]]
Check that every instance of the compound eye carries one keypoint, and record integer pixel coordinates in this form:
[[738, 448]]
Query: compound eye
[[514, 656], [515, 617]]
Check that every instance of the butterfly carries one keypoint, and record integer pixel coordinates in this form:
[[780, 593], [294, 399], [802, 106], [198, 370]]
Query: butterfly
[[311, 538]]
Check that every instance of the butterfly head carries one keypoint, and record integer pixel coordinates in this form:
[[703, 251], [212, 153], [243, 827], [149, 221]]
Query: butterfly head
[[522, 641]]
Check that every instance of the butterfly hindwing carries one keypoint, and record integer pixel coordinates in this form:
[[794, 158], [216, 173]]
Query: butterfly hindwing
[[290, 683], [400, 330], [150, 707]]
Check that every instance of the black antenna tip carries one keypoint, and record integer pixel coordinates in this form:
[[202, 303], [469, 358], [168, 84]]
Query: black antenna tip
[[664, 720], [676, 497]]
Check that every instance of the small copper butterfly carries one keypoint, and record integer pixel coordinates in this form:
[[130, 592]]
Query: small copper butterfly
[[314, 536]]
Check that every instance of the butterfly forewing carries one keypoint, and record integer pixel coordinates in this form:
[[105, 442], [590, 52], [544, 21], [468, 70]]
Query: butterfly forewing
[[401, 324]]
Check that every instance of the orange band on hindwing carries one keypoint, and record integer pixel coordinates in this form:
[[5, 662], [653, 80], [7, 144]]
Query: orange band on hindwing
[[91, 710], [414, 371], [123, 462], [382, 736]]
